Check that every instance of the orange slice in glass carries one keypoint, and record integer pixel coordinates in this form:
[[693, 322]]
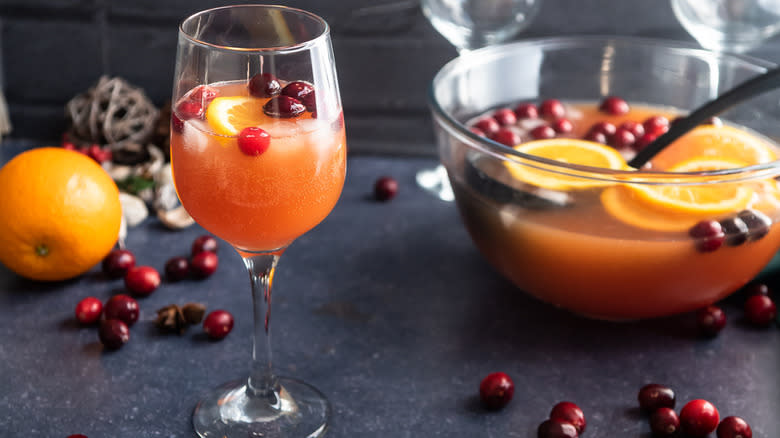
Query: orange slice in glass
[[720, 142], [565, 150], [229, 115]]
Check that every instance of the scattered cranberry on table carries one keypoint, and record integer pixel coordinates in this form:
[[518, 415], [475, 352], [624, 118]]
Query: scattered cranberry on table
[[653, 396], [734, 427], [698, 418], [496, 390], [253, 141], [218, 324], [177, 268], [142, 280], [122, 307], [113, 333], [760, 310], [88, 310], [118, 262], [568, 412], [556, 429], [664, 422], [204, 264], [205, 242], [385, 188], [710, 320]]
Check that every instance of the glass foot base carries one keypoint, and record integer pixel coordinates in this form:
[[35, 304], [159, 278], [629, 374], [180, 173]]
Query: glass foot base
[[435, 181], [228, 412]]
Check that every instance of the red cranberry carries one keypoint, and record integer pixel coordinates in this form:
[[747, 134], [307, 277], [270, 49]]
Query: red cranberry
[[204, 94], [204, 264], [656, 125], [113, 333], [496, 390], [698, 418], [552, 109], [653, 396], [177, 268], [506, 136], [487, 125], [189, 109], [736, 231], [614, 106], [68, 145], [556, 429], [760, 310], [634, 127], [122, 307], [177, 124], [218, 324], [142, 280], [542, 132], [97, 153], [664, 422], [710, 320], [385, 188], [118, 262], [297, 89], [605, 127], [568, 412], [477, 131], [757, 222], [734, 427], [526, 111], [88, 310], [708, 234], [643, 141], [596, 136], [562, 126], [283, 107], [264, 85], [253, 141], [622, 139], [310, 102], [505, 117], [757, 289], [205, 242]]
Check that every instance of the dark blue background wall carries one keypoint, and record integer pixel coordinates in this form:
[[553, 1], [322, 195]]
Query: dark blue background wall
[[385, 49]]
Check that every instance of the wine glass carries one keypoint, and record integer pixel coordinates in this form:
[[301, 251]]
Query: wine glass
[[729, 25], [469, 25], [259, 158]]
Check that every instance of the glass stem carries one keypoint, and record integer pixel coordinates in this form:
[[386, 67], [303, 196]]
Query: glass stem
[[262, 383]]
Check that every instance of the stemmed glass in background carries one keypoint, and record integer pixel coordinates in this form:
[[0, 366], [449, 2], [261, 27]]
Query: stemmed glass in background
[[258, 160], [469, 25]]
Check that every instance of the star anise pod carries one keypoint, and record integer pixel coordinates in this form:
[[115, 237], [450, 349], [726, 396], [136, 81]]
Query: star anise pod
[[193, 312], [170, 318]]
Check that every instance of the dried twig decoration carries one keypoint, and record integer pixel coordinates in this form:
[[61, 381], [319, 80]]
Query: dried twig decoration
[[112, 112]]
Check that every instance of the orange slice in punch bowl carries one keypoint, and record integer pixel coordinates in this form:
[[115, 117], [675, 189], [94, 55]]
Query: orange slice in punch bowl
[[565, 150], [677, 207], [720, 142]]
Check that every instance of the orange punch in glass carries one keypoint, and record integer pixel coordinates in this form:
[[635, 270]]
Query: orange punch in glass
[[259, 158]]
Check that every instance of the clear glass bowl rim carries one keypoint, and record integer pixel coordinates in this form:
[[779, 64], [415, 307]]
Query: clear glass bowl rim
[[279, 49], [652, 177]]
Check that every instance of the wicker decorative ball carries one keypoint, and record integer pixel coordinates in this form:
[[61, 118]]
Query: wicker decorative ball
[[112, 112]]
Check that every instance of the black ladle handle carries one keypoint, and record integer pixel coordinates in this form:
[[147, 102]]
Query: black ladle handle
[[757, 85]]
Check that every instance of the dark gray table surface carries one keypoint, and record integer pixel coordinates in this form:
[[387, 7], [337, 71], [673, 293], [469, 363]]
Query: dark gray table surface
[[387, 308]]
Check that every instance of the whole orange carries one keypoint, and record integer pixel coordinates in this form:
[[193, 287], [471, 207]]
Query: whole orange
[[59, 214]]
